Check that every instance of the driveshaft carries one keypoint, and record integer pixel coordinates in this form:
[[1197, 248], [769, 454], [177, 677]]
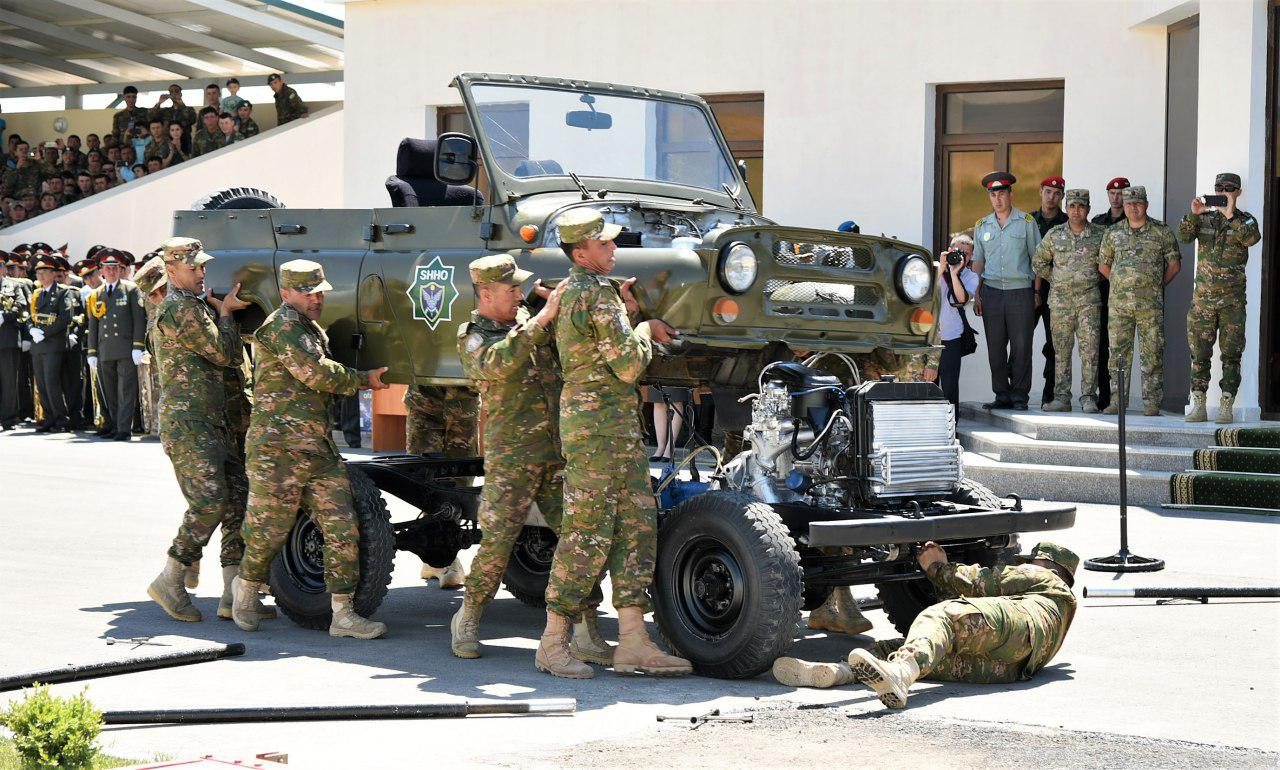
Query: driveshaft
[[450, 710]]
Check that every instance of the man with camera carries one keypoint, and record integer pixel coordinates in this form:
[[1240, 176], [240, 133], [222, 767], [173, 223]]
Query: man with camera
[[958, 284], [124, 124], [1068, 257], [1003, 244], [1224, 234]]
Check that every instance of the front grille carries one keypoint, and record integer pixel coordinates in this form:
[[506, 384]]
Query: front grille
[[800, 253], [914, 449], [822, 300]]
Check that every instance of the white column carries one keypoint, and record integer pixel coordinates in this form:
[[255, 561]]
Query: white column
[[1232, 137]]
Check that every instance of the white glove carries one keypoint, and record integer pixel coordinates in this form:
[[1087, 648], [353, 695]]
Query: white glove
[[137, 357], [93, 362], [1, 319], [37, 335], [26, 346], [72, 340]]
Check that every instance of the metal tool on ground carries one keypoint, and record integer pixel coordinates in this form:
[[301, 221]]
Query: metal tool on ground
[[451, 710], [1123, 560], [711, 716], [76, 672], [1168, 595]]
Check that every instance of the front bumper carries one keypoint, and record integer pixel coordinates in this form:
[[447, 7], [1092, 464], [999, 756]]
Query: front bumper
[[1034, 517]]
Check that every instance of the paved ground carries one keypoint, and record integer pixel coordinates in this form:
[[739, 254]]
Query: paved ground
[[86, 525]]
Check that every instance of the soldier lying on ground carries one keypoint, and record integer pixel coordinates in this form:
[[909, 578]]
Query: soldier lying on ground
[[1007, 624]]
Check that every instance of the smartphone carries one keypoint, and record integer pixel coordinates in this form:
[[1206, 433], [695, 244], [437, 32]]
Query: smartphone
[[1215, 200]]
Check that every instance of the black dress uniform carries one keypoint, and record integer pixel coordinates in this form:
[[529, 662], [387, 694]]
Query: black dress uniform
[[14, 307], [50, 316], [1106, 219], [117, 337]]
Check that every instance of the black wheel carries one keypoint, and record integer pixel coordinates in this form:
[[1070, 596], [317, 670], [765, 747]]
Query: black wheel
[[973, 493], [238, 198], [297, 572], [530, 565], [728, 585]]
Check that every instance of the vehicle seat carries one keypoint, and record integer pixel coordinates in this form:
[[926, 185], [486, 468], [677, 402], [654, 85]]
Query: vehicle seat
[[539, 168], [414, 183]]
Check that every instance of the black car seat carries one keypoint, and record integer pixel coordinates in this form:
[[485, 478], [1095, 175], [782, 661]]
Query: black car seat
[[415, 184]]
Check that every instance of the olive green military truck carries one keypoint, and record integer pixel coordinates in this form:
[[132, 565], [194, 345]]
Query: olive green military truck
[[841, 479]]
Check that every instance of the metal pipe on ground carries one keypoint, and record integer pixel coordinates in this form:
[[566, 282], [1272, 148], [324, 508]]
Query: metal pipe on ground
[[1228, 592], [76, 672], [451, 710]]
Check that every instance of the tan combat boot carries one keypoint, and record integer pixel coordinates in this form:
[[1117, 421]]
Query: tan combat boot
[[1113, 407], [587, 644], [1057, 405], [1151, 410], [452, 576], [191, 577], [1088, 405], [167, 591], [889, 678], [1226, 409], [228, 596], [464, 630], [245, 606], [553, 651], [1197, 413], [794, 672], [840, 614], [347, 623], [637, 654]]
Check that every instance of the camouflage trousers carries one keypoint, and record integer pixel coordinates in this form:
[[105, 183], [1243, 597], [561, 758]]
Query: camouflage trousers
[[1074, 322], [510, 487], [609, 523], [979, 641], [282, 482], [441, 419], [211, 475], [1148, 323], [1226, 324]]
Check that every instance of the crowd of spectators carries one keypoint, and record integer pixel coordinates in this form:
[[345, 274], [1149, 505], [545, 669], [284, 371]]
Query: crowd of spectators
[[39, 177]]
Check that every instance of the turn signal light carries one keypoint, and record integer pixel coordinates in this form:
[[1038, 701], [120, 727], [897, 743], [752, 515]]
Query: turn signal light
[[725, 311], [528, 233], [921, 321]]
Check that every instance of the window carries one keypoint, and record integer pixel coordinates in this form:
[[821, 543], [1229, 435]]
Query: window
[[1014, 127]]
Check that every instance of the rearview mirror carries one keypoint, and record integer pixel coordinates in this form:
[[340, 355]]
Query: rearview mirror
[[588, 118], [455, 158]]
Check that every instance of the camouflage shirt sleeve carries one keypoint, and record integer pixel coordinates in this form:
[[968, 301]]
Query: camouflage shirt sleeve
[[1042, 260], [625, 351], [1245, 228], [1171, 253], [1188, 227], [501, 359], [306, 360], [971, 580], [189, 326], [1107, 251]]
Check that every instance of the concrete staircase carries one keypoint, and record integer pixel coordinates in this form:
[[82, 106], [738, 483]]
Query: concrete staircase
[[1074, 456]]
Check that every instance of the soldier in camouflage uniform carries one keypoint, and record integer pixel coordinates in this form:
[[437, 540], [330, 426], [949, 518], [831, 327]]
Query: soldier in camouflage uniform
[[289, 106], [1139, 256], [442, 418], [293, 462], [207, 137], [609, 518], [1217, 311], [1007, 624], [196, 341], [129, 117], [1067, 257], [151, 281]]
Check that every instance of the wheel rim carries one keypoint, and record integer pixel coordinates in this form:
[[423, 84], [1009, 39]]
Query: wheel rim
[[709, 586], [303, 555], [534, 553]]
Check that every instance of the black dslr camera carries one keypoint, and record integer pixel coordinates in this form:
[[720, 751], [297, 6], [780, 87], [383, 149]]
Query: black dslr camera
[[955, 257]]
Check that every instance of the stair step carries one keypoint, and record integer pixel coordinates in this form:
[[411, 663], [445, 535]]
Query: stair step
[[1011, 447], [1068, 483], [1166, 430]]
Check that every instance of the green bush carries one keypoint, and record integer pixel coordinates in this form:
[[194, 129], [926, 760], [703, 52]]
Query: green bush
[[49, 731]]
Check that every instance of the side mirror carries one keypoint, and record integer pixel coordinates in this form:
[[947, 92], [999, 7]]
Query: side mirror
[[742, 170], [455, 158]]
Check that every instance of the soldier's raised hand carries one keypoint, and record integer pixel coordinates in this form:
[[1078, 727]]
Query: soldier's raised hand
[[375, 379], [547, 314], [628, 298], [661, 331], [931, 554], [1198, 207], [230, 303]]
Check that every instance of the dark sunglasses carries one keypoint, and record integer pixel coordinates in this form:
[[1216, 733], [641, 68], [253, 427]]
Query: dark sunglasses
[[1224, 188]]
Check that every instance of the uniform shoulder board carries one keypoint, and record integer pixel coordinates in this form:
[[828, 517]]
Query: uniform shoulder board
[[1030, 218], [978, 224], [463, 328], [289, 314], [474, 341], [603, 280]]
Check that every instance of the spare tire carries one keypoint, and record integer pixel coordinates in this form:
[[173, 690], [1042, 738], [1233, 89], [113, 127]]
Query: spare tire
[[237, 198]]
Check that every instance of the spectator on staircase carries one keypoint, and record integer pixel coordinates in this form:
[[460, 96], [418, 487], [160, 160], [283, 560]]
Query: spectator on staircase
[[245, 123], [289, 106]]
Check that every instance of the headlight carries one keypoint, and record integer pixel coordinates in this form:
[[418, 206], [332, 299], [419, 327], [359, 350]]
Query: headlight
[[738, 267], [914, 279]]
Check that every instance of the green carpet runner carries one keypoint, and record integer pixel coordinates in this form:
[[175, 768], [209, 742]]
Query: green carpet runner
[[1244, 460], [1254, 437]]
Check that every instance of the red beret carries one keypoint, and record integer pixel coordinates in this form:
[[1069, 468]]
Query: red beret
[[1054, 181], [1119, 183]]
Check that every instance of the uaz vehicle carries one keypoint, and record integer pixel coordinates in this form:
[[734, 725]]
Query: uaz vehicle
[[842, 480]]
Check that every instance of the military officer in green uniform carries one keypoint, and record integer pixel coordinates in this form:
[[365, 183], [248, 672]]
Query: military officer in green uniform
[[1140, 257], [47, 322], [1224, 235], [207, 137], [293, 462], [609, 518], [129, 117], [1067, 257], [117, 342], [1006, 624], [289, 106], [1047, 217]]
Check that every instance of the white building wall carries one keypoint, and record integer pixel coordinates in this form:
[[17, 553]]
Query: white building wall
[[849, 86]]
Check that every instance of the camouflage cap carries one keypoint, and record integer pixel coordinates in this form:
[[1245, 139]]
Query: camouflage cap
[[1227, 178], [498, 268], [1137, 193], [151, 276], [581, 224], [188, 251], [1076, 195], [1058, 555], [303, 275]]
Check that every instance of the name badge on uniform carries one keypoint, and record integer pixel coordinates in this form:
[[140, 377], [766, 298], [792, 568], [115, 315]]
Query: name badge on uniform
[[122, 300]]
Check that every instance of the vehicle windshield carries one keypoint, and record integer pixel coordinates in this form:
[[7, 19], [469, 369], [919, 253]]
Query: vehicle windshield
[[542, 132]]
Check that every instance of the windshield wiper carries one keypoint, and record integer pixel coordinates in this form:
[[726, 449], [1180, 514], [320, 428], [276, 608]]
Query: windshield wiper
[[737, 202], [586, 194]]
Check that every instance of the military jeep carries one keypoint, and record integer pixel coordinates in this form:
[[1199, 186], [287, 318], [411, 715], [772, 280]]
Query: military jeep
[[841, 479]]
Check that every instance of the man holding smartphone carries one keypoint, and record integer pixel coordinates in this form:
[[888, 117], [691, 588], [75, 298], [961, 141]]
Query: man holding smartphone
[[1224, 234]]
